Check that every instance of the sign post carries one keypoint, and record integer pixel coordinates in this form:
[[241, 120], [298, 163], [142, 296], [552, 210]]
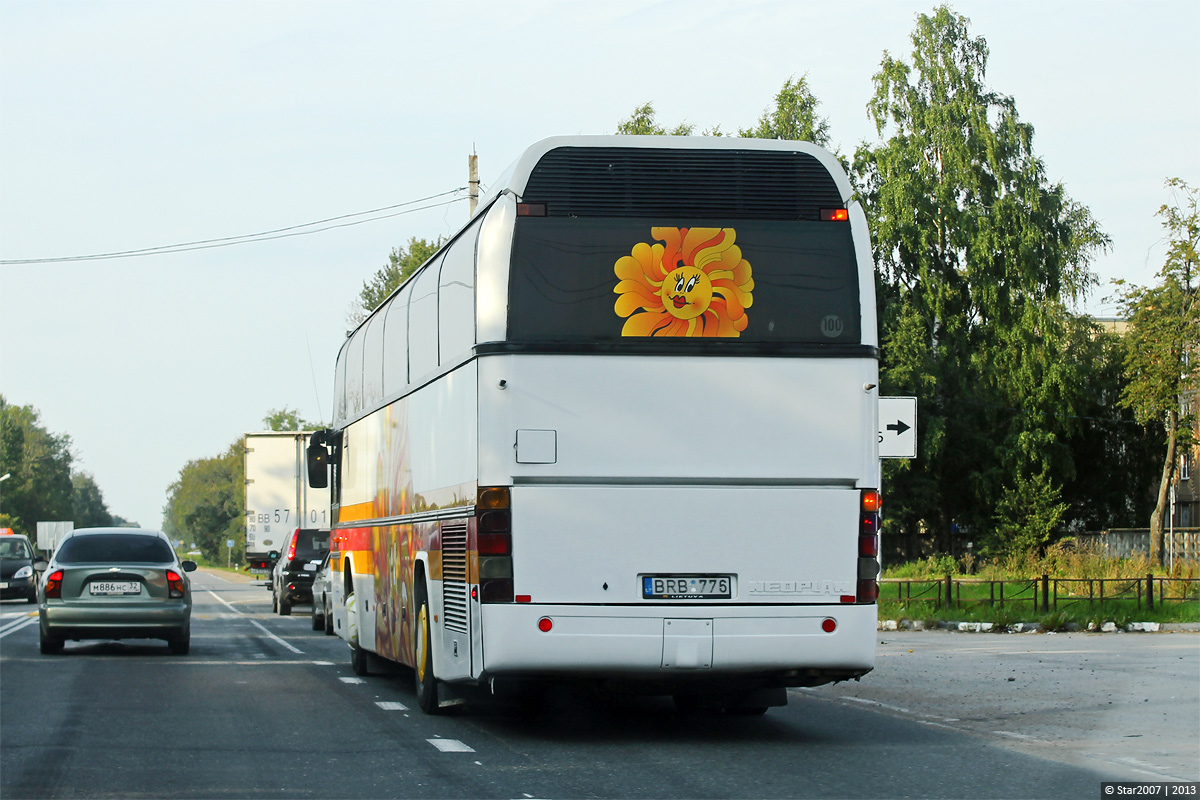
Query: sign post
[[228, 552], [897, 427]]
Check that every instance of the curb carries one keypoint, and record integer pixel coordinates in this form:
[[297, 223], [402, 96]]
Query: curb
[[1036, 627]]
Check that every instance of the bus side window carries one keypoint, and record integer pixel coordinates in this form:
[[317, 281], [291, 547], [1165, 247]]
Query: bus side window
[[354, 373], [456, 298], [423, 322], [395, 343], [339, 386], [373, 362]]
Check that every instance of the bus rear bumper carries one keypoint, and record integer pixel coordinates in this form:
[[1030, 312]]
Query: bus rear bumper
[[787, 643]]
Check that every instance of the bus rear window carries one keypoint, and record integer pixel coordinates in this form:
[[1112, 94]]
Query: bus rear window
[[620, 279]]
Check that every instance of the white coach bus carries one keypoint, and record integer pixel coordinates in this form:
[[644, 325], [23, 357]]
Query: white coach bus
[[622, 427]]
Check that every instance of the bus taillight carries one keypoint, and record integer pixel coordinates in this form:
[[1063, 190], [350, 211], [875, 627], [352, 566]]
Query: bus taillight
[[868, 546], [834, 215], [493, 526]]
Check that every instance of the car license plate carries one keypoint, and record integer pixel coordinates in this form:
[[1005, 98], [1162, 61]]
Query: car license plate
[[3, 584], [687, 587], [116, 587], [259, 571]]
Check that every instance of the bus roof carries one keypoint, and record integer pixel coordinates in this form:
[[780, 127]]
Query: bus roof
[[516, 177]]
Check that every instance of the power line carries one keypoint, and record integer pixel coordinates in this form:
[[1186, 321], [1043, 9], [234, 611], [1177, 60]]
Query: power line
[[263, 236]]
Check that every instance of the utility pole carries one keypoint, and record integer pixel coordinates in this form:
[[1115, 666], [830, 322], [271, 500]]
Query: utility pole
[[473, 180]]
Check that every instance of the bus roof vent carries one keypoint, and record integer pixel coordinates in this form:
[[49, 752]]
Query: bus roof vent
[[721, 184]]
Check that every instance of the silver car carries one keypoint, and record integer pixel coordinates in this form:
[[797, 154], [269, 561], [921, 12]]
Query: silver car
[[115, 583]]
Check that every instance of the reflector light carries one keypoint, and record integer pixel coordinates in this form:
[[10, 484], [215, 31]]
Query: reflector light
[[494, 544], [545, 624], [868, 591], [829, 625], [474, 592], [524, 598], [834, 215], [54, 584], [849, 598], [492, 497], [531, 209]]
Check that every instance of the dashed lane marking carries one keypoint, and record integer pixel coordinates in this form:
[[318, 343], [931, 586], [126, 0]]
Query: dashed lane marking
[[450, 746], [391, 705], [351, 680]]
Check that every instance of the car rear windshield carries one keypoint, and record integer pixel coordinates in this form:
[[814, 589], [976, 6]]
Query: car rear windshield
[[14, 548], [115, 547], [312, 543]]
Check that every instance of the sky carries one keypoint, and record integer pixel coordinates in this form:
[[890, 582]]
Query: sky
[[133, 125]]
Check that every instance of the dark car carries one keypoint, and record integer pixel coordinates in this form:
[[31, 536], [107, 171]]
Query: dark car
[[292, 580], [116, 583], [17, 575], [322, 598]]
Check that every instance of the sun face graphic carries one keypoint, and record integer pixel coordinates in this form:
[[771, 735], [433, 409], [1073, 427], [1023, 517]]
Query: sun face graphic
[[694, 282]]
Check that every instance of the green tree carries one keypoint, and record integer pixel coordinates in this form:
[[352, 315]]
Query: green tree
[[402, 262], [1163, 345], [207, 504], [642, 122], [39, 463], [89, 508], [794, 116], [979, 256], [289, 419]]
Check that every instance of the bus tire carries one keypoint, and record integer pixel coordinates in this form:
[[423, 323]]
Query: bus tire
[[426, 683], [358, 661]]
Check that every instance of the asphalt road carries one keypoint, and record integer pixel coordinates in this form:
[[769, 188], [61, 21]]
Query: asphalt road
[[264, 707]]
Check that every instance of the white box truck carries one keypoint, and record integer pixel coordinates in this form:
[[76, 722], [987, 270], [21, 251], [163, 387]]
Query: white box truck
[[278, 497]]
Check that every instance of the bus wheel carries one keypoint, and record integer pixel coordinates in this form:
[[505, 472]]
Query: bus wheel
[[358, 660], [426, 683]]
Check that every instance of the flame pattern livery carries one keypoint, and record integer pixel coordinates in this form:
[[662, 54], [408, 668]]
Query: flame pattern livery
[[695, 283]]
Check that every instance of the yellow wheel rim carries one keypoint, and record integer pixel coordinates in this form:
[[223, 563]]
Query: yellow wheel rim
[[422, 640]]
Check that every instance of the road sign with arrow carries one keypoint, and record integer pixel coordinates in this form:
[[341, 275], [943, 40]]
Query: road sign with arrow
[[897, 427]]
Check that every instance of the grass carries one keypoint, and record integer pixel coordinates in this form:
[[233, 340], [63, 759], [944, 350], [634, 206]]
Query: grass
[[978, 601]]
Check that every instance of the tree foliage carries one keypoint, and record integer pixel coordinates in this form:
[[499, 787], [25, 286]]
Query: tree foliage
[[402, 262], [642, 122], [980, 257], [1163, 345], [39, 464], [207, 504], [88, 507], [794, 116], [289, 419]]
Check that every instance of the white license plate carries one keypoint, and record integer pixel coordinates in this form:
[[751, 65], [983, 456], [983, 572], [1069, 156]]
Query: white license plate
[[259, 571], [687, 587], [116, 587]]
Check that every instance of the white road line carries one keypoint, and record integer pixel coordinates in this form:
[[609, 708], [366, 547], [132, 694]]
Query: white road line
[[450, 746], [391, 705], [351, 680], [17, 625], [256, 624]]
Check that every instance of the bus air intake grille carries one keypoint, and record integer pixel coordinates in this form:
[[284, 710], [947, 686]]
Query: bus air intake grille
[[704, 184], [454, 576]]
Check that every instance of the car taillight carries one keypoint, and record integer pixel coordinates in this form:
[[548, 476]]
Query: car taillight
[[868, 547], [54, 584], [493, 544], [175, 583], [291, 551]]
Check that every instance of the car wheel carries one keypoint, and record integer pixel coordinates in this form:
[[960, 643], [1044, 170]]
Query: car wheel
[[426, 683], [285, 608], [328, 619], [180, 645], [274, 601], [318, 623], [32, 598], [49, 645]]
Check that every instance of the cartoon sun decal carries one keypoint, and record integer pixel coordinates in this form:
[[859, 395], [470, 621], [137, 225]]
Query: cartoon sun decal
[[695, 283]]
